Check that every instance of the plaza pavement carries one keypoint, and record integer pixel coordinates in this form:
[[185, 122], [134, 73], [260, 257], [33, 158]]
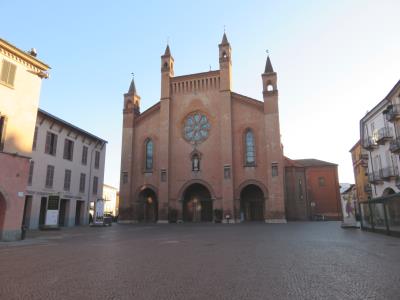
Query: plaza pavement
[[301, 260]]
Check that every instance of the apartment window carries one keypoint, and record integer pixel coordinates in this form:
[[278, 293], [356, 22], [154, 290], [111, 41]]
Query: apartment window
[[2, 131], [51, 143], [30, 177], [68, 149], [227, 172], [163, 175], [321, 181], [67, 180], [49, 176], [84, 155], [8, 73], [35, 138], [124, 177], [95, 183], [274, 170], [97, 160], [82, 182]]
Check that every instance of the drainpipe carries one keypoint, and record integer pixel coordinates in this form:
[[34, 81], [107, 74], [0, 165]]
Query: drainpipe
[[90, 180], [372, 164]]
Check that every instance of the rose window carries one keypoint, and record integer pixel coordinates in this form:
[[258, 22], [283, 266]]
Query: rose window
[[196, 128]]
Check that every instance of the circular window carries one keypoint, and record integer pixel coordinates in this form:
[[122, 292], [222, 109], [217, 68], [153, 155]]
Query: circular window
[[196, 128]]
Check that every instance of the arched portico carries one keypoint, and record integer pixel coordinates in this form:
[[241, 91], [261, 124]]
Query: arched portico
[[197, 204]]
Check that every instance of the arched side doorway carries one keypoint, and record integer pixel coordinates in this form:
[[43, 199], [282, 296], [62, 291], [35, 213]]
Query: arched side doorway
[[197, 204], [388, 191], [2, 213], [252, 203], [147, 206]]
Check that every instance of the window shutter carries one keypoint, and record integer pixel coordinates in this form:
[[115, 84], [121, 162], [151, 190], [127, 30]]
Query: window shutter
[[4, 71], [55, 144], [48, 141], [65, 149], [11, 75], [71, 150]]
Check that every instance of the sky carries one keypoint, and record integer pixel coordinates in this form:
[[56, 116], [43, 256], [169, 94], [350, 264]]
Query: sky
[[335, 60]]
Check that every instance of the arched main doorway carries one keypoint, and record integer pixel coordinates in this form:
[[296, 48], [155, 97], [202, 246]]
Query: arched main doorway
[[148, 206], [2, 213], [252, 203], [197, 204]]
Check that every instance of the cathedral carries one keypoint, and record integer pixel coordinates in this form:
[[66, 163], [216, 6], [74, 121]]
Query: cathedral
[[203, 153]]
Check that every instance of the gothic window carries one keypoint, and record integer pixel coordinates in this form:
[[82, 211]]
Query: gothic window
[[149, 155], [250, 156]]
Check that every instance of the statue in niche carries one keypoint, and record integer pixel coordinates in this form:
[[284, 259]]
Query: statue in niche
[[195, 163]]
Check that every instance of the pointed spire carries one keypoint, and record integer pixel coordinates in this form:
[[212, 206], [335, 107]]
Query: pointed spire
[[224, 39], [132, 87], [268, 66], [167, 51]]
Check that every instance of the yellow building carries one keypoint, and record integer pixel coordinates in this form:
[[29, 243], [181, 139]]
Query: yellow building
[[359, 157], [21, 75]]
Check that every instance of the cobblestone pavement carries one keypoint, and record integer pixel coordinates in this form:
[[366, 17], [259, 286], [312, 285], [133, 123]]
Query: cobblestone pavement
[[202, 261]]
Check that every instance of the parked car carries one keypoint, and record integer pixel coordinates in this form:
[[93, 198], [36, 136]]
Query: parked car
[[107, 219]]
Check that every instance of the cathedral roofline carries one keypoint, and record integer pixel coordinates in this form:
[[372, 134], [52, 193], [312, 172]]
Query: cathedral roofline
[[149, 111], [248, 99], [195, 75]]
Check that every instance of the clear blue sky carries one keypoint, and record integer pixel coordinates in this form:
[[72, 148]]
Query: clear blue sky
[[335, 60]]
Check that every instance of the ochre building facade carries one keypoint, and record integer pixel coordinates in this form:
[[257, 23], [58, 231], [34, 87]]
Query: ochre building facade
[[203, 152]]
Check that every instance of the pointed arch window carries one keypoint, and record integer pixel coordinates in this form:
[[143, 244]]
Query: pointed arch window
[[250, 150], [149, 147]]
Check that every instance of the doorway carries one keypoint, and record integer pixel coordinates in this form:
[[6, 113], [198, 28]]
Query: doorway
[[42, 213], [252, 203], [62, 215], [197, 204], [78, 212], [148, 206]]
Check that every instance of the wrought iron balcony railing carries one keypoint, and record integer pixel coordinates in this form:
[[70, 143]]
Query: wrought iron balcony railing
[[393, 112], [368, 188], [395, 145], [384, 134], [369, 143], [375, 177], [389, 173]]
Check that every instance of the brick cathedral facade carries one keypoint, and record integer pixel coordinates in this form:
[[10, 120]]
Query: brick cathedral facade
[[203, 150]]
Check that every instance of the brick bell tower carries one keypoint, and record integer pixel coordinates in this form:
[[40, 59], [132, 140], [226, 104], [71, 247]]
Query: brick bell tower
[[225, 72], [167, 72], [127, 204], [275, 208]]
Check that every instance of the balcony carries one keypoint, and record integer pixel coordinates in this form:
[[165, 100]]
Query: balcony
[[375, 177], [393, 112], [369, 143], [384, 134], [395, 145], [389, 173]]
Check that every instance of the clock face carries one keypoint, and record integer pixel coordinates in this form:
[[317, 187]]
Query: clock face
[[196, 128]]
